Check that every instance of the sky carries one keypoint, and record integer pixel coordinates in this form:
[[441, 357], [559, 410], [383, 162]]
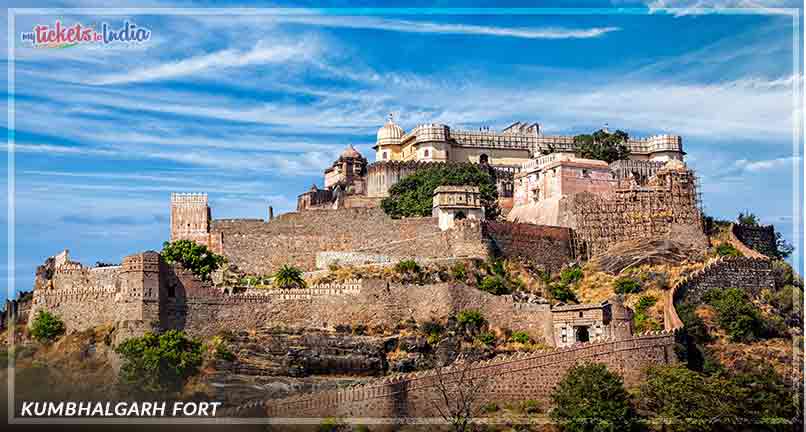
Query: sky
[[251, 107]]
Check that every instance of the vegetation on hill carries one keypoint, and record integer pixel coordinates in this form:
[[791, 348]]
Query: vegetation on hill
[[159, 363], [46, 326], [193, 256], [412, 196], [602, 145]]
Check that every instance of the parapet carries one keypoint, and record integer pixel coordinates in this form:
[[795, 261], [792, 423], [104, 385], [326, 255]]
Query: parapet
[[148, 261], [178, 199]]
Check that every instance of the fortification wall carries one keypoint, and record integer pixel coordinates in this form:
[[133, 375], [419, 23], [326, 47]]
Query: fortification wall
[[508, 379], [548, 246], [759, 238], [203, 310], [260, 247], [750, 274]]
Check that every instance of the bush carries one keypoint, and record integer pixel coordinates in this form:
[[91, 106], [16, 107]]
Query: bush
[[736, 314], [289, 277], [520, 337], [571, 275], [459, 271], [602, 145], [486, 338], [727, 249], [591, 398], [407, 266], [471, 318], [494, 285], [159, 363], [412, 196], [193, 256], [530, 406], [626, 285], [46, 326], [641, 320], [562, 292], [490, 407]]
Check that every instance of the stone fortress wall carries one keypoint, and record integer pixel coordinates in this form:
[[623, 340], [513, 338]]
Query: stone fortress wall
[[506, 379], [759, 238]]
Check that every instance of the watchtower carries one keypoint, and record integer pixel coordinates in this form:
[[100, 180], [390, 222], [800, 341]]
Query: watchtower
[[190, 217], [451, 203]]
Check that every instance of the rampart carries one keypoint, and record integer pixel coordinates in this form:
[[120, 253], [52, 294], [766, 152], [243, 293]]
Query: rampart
[[551, 247], [759, 238], [260, 247], [750, 274], [505, 379]]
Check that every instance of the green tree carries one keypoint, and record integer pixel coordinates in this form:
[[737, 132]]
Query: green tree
[[46, 326], [412, 196], [591, 398], [195, 257], [159, 363], [747, 219], [626, 285], [602, 145], [736, 314], [289, 277]]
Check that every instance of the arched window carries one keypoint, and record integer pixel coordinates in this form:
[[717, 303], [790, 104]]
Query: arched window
[[582, 334], [425, 153], [459, 215], [384, 155], [484, 159]]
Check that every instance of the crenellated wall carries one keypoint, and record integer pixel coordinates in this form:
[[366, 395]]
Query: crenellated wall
[[750, 274], [758, 238], [506, 379]]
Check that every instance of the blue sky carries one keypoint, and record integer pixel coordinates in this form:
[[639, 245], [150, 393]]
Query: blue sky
[[252, 108]]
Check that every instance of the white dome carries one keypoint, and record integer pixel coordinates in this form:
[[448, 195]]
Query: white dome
[[390, 133]]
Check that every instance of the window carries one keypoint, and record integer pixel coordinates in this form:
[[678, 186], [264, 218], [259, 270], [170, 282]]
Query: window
[[425, 153], [580, 314], [385, 156], [483, 159], [586, 173]]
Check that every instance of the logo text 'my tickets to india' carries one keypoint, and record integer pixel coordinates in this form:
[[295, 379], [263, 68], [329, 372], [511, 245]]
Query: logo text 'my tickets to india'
[[60, 35]]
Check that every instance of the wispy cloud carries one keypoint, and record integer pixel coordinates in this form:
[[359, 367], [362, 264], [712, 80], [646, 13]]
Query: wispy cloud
[[262, 53], [766, 165], [704, 7], [408, 26]]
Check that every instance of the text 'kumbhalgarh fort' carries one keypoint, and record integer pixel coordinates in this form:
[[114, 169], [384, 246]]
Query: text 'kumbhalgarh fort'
[[558, 210]]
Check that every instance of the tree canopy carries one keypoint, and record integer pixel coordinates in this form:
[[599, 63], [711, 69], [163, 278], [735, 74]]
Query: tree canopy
[[412, 196], [602, 145], [193, 256], [591, 398], [159, 363]]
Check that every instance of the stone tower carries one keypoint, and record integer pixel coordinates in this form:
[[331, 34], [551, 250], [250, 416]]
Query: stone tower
[[190, 217]]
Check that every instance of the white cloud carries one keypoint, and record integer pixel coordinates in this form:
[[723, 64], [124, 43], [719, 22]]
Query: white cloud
[[766, 165], [703, 7], [408, 26], [262, 53]]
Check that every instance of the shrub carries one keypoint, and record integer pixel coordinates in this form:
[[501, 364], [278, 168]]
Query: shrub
[[193, 256], [530, 406], [331, 424], [727, 249], [407, 266], [223, 352], [571, 275], [736, 314], [46, 326], [289, 277], [459, 271], [413, 195], [626, 285], [486, 338], [490, 407], [747, 218], [562, 292], [641, 320], [494, 285], [159, 363], [470, 318], [520, 337], [591, 398]]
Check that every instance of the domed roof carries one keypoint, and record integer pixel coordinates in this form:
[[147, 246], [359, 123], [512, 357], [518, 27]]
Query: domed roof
[[390, 133], [351, 152]]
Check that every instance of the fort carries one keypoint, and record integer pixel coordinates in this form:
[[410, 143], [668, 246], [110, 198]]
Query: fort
[[559, 208]]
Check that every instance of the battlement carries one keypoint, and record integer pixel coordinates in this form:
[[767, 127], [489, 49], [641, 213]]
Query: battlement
[[188, 199], [148, 261]]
